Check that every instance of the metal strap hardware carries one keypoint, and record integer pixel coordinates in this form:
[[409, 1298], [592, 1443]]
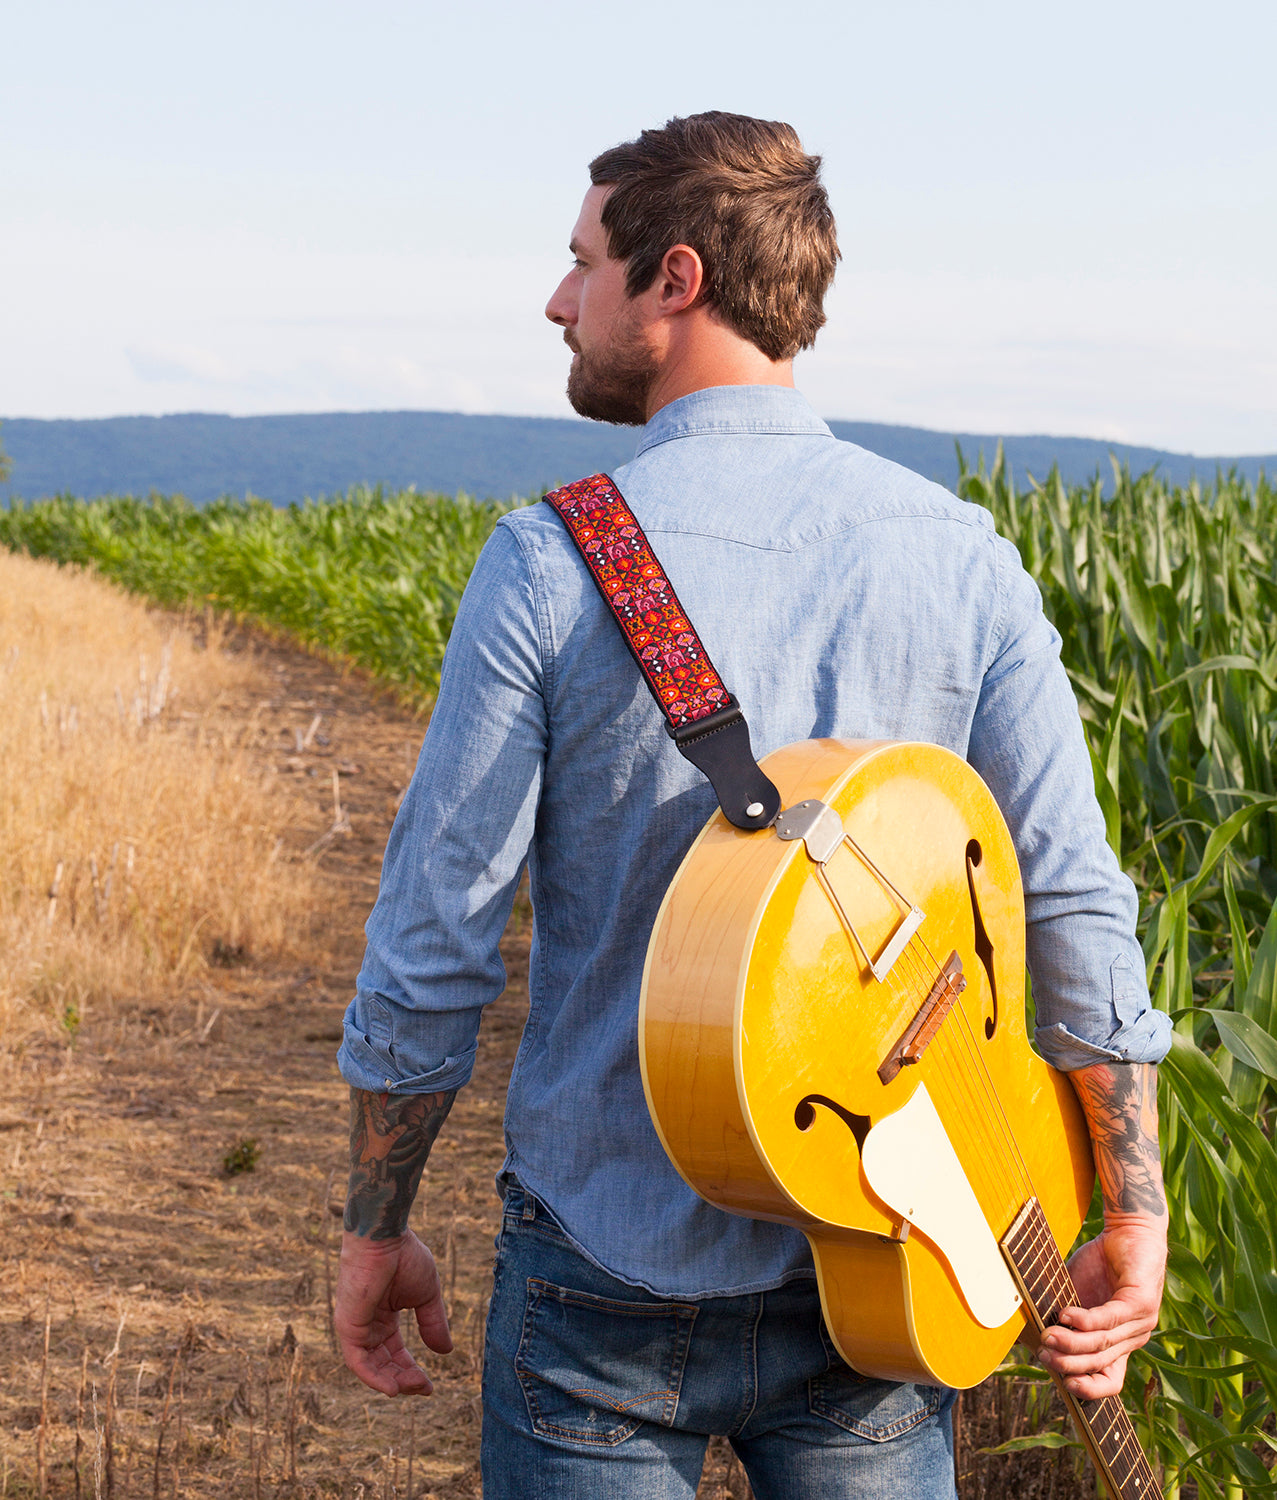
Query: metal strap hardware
[[821, 830], [817, 824]]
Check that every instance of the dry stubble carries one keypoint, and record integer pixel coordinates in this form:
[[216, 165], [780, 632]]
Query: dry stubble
[[138, 842]]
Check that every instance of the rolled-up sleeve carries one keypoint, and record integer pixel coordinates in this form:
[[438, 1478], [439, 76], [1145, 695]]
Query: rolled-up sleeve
[[458, 846], [1089, 992]]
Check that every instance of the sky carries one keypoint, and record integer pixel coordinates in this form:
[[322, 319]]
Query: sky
[[1056, 219]]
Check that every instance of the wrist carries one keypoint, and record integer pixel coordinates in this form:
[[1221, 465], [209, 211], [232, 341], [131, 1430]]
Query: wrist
[[1137, 1219], [390, 1139], [371, 1223], [357, 1242]]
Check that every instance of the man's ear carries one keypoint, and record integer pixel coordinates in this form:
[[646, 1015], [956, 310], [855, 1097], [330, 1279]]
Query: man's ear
[[680, 280]]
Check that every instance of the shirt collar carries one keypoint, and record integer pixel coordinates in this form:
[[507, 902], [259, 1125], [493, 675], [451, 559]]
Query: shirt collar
[[726, 409]]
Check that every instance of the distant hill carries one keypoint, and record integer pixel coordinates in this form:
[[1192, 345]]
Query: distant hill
[[287, 458]]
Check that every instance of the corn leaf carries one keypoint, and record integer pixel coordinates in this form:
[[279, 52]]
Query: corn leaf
[[1247, 1040]]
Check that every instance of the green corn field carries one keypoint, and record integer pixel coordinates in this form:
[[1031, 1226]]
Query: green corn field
[[1166, 602], [372, 576]]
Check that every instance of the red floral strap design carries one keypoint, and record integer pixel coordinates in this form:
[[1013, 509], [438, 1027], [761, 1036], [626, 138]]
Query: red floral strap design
[[642, 599], [701, 716]]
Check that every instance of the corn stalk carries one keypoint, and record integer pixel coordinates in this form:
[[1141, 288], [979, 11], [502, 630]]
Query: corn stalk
[[1165, 602]]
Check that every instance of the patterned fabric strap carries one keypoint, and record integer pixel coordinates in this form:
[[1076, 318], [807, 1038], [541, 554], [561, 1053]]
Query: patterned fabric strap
[[701, 716], [663, 641]]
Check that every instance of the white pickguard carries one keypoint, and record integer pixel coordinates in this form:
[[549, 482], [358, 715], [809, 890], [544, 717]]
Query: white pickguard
[[912, 1166]]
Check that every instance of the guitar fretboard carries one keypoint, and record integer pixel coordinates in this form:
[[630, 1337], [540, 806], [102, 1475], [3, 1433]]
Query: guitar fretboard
[[1103, 1425]]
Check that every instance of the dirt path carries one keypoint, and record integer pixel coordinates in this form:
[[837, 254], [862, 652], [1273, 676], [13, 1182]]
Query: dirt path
[[185, 1307]]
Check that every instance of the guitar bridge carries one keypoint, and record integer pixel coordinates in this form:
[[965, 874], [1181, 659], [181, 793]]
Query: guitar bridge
[[930, 1016]]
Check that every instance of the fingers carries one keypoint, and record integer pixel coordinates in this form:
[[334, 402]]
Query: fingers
[[1105, 1382], [1088, 1349], [1086, 1355], [375, 1281], [1121, 1315], [1132, 1313], [432, 1325], [393, 1372]]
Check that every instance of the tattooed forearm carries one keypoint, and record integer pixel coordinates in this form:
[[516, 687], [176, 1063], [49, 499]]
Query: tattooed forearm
[[1120, 1104], [390, 1139]]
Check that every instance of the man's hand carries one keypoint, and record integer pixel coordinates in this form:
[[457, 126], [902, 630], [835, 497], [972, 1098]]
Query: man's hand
[[376, 1279], [1119, 1280], [384, 1266], [1118, 1275]]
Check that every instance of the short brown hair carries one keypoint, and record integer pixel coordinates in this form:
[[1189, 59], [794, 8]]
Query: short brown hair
[[748, 199]]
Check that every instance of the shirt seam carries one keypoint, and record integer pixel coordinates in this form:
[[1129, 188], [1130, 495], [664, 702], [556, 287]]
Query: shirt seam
[[545, 650], [545, 627], [902, 515], [998, 632], [736, 429], [914, 512]]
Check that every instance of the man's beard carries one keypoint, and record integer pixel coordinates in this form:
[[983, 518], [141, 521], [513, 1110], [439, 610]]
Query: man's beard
[[612, 384]]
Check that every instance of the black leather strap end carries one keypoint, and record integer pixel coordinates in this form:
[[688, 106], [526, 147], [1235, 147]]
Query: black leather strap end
[[718, 746]]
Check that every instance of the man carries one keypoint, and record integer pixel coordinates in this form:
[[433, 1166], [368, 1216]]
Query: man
[[837, 595]]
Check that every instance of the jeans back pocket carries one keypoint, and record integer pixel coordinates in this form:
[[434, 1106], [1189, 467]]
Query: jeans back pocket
[[875, 1410], [594, 1368]]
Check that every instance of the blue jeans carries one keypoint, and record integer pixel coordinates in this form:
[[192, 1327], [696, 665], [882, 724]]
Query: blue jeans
[[594, 1388]]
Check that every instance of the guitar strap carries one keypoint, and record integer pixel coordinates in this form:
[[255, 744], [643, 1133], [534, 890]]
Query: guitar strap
[[702, 718]]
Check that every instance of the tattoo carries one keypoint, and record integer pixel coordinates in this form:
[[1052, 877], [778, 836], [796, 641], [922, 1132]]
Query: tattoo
[[390, 1139], [1120, 1104]]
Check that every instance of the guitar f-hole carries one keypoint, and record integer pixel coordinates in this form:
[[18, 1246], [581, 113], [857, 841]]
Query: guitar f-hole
[[805, 1116], [983, 947]]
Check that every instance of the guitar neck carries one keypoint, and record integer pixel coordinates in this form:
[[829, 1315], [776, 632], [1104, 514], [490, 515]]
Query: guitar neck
[[1104, 1426]]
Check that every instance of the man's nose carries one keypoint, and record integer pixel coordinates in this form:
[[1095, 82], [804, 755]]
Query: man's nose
[[559, 309]]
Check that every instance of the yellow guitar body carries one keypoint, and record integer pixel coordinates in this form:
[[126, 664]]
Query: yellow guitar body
[[771, 1052]]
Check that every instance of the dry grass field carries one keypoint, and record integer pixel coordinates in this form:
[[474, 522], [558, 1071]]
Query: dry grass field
[[173, 1132], [173, 1141], [139, 839]]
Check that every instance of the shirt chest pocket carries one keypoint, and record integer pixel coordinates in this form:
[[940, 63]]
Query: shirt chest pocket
[[594, 1369]]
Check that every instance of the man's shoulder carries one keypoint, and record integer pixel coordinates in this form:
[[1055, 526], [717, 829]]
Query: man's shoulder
[[534, 530], [533, 542], [885, 487], [787, 493]]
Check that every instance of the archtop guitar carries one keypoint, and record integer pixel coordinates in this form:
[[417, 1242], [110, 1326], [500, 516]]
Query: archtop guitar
[[832, 1036]]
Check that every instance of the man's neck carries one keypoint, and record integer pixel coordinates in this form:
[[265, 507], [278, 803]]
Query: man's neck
[[711, 355]]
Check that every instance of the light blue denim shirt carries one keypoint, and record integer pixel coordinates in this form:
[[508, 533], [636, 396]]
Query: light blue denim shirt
[[837, 594]]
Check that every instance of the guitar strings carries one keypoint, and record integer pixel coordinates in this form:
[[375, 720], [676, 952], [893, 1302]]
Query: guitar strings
[[980, 1080], [950, 1082], [981, 1077], [976, 1052], [964, 1085], [926, 973], [966, 1097]]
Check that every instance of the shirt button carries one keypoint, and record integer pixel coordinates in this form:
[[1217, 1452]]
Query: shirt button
[[389, 1083]]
